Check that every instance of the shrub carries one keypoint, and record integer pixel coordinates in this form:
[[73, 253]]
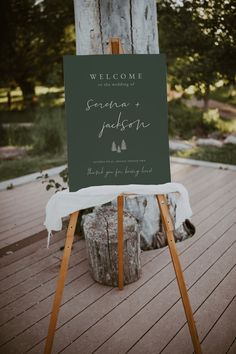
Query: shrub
[[18, 116], [16, 135], [211, 118], [49, 131], [184, 122], [187, 122], [3, 136]]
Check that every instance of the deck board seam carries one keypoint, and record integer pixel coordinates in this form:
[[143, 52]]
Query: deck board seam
[[15, 226], [140, 287], [211, 213], [36, 244], [231, 345], [165, 250], [195, 311], [41, 284], [52, 256], [156, 295], [60, 326], [43, 258], [223, 190], [50, 294], [220, 207], [215, 322]]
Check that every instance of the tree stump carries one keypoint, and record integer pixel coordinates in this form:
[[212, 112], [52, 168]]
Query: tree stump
[[147, 213], [100, 230]]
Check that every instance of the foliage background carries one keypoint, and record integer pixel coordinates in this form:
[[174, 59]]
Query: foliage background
[[198, 37]]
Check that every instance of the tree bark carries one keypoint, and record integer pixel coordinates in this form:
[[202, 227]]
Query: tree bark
[[206, 98], [9, 99], [100, 230], [28, 91], [135, 22]]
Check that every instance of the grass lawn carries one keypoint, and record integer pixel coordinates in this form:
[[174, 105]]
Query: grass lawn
[[226, 154], [30, 164], [16, 168]]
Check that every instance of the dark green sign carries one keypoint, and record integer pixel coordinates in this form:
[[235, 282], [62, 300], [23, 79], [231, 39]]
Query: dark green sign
[[116, 109]]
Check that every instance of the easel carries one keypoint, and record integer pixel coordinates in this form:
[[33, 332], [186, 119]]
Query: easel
[[115, 47]]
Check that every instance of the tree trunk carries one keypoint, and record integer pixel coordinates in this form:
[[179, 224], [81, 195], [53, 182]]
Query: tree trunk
[[28, 91], [9, 99], [135, 22], [206, 98], [100, 230]]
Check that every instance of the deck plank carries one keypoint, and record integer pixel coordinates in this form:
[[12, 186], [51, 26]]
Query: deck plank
[[147, 316], [169, 325], [161, 264], [223, 332], [144, 318], [207, 313], [36, 253], [232, 347], [38, 279]]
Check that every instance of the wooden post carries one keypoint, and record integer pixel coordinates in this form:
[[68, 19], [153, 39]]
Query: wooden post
[[61, 282], [168, 227], [115, 47], [120, 208]]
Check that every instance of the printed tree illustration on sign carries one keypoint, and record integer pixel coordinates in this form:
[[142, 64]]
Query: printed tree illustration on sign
[[113, 146], [118, 148], [123, 145]]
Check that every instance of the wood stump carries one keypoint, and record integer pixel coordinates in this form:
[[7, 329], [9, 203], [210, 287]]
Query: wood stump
[[100, 230]]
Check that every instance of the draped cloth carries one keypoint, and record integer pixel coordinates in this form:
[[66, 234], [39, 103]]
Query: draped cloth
[[63, 203]]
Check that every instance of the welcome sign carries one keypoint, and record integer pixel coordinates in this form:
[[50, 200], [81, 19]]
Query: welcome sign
[[116, 110]]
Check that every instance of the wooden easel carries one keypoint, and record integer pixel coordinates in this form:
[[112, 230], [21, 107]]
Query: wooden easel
[[115, 47]]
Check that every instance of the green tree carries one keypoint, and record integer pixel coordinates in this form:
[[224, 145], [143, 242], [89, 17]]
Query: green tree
[[34, 35], [198, 37], [19, 44], [58, 32]]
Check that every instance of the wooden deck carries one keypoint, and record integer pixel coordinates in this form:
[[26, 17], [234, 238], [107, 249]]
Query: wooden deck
[[147, 316], [22, 214]]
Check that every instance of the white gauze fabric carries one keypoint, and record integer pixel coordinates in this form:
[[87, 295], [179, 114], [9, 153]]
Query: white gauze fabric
[[63, 203]]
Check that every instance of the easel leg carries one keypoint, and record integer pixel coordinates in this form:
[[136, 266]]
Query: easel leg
[[61, 282], [120, 208], [168, 226]]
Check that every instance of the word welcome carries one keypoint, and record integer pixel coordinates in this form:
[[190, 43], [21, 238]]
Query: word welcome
[[116, 76]]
